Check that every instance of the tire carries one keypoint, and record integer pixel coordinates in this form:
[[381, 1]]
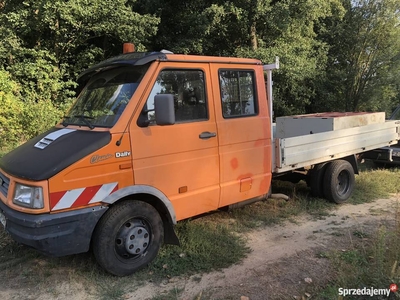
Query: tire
[[339, 181], [316, 180], [128, 237]]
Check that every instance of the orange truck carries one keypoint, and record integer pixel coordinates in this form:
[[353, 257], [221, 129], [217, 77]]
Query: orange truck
[[155, 138]]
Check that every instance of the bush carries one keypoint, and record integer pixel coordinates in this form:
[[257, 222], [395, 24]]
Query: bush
[[22, 119], [38, 116], [10, 113]]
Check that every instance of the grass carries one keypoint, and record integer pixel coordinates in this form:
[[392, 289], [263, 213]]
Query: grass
[[370, 262], [205, 245], [212, 242], [372, 184], [373, 258]]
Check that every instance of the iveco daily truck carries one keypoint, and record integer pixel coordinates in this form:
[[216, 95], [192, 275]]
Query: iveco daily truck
[[157, 137]]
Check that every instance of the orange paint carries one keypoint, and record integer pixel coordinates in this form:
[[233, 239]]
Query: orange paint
[[247, 175]]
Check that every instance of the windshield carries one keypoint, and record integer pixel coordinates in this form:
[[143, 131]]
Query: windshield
[[105, 97]]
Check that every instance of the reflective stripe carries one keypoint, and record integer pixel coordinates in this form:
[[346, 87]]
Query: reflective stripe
[[59, 133], [82, 196], [68, 199], [51, 137], [103, 192]]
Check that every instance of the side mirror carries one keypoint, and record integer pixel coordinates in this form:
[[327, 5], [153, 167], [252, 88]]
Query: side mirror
[[164, 109]]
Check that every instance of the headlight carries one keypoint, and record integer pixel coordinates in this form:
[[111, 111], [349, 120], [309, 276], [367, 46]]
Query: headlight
[[28, 196]]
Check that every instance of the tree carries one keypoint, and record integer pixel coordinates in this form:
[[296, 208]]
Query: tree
[[48, 43], [364, 59], [182, 27], [252, 28], [290, 30]]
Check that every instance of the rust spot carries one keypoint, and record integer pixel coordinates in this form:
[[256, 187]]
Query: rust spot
[[234, 163]]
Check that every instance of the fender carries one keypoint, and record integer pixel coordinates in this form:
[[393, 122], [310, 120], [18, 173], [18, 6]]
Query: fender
[[353, 161], [142, 189], [169, 217]]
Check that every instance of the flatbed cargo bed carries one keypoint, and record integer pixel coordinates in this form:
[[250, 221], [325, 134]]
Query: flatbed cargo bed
[[305, 150]]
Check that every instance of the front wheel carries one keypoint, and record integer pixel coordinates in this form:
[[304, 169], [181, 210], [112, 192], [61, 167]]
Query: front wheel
[[128, 237], [339, 181]]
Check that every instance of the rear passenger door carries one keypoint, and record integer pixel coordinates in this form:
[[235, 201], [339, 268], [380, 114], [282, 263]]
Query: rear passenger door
[[243, 132]]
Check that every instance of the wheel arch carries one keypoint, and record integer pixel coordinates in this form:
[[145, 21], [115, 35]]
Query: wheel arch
[[353, 161], [155, 198]]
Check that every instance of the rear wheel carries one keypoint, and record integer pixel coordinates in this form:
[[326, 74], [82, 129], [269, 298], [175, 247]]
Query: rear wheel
[[128, 237], [316, 180], [339, 181]]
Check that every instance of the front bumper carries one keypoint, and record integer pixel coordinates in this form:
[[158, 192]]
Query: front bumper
[[58, 234]]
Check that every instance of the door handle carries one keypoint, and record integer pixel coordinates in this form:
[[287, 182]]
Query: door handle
[[206, 135]]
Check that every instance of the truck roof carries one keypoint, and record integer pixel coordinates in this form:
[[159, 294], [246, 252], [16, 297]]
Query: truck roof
[[142, 58]]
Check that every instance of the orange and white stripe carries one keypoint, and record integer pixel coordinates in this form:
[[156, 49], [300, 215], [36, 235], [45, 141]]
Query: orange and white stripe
[[81, 196]]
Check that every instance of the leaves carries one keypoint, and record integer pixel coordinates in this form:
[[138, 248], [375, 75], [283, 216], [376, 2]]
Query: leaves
[[46, 44], [335, 54], [67, 37], [365, 56]]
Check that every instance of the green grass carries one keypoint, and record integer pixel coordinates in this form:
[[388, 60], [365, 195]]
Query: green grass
[[370, 262], [205, 245], [373, 259], [372, 184]]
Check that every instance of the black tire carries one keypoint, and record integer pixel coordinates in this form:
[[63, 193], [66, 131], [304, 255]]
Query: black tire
[[339, 181], [316, 180], [128, 237]]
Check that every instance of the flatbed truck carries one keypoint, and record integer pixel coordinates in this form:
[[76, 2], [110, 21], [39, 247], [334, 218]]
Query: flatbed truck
[[155, 138]]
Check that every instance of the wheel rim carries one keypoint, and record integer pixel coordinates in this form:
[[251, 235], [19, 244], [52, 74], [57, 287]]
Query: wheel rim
[[133, 239], [343, 182]]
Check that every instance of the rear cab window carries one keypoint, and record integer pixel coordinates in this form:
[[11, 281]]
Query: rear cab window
[[238, 96]]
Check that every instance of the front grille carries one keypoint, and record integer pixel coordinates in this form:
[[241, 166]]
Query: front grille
[[4, 184]]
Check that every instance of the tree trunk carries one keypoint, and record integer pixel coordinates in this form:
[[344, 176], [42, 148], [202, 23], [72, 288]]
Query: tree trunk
[[253, 35]]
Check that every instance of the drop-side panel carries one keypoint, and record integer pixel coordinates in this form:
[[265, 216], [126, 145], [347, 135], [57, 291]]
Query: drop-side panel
[[301, 151]]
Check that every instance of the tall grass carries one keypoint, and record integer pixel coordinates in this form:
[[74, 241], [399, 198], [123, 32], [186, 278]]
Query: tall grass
[[372, 184]]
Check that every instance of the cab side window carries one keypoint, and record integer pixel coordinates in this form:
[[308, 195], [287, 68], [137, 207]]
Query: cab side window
[[188, 89], [237, 93]]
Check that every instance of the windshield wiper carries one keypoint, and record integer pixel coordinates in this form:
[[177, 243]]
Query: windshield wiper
[[84, 119], [64, 123]]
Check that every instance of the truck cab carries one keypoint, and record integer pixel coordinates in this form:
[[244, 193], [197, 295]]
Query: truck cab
[[153, 138]]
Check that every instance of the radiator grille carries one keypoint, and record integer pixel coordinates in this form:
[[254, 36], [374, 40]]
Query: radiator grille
[[4, 184]]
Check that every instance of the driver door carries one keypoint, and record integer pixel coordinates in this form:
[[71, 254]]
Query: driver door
[[180, 160]]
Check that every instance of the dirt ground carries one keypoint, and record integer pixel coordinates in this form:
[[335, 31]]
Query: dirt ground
[[285, 262]]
